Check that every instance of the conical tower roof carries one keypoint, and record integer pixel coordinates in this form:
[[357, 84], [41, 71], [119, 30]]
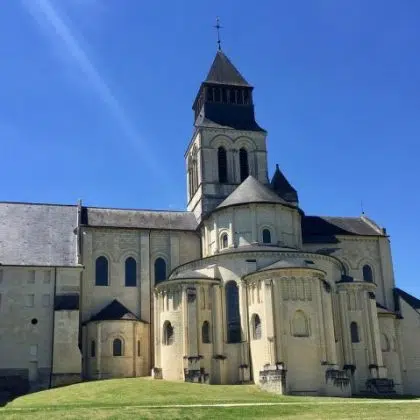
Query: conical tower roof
[[224, 72], [282, 187], [251, 191]]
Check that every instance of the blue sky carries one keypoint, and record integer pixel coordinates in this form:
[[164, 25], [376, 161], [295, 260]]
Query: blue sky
[[96, 102]]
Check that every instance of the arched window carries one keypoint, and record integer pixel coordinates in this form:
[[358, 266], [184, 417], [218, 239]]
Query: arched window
[[266, 236], [354, 332], [190, 177], [195, 174], [222, 164], [101, 272], [300, 325], [224, 241], [130, 272], [92, 348], [160, 270], [168, 333], [117, 347], [205, 333], [232, 313], [256, 327], [243, 164], [367, 273]]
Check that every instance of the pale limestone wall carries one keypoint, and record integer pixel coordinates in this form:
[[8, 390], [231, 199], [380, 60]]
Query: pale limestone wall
[[356, 301], [186, 316], [265, 303], [245, 224], [408, 332], [27, 293], [144, 246], [168, 308], [280, 297], [67, 358], [205, 145], [390, 347], [104, 364], [355, 252]]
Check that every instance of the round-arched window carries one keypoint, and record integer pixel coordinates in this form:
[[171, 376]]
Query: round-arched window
[[266, 236], [224, 241]]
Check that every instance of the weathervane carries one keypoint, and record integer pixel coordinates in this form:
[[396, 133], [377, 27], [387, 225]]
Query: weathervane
[[218, 27]]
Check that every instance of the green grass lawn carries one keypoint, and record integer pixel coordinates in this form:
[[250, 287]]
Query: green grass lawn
[[144, 398]]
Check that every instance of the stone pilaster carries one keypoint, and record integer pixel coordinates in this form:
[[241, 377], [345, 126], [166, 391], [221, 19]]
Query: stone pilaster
[[347, 351], [269, 324]]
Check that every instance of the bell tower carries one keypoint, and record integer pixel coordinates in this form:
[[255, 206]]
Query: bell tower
[[227, 144]]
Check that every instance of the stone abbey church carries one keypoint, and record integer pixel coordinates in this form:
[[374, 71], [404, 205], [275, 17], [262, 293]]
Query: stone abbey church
[[242, 287]]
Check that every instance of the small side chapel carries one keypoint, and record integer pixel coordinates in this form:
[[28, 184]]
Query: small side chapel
[[241, 287]]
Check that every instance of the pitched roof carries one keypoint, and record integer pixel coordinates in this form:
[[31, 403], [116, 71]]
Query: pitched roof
[[38, 234], [191, 274], [224, 72], [317, 228], [251, 191], [287, 264], [282, 187], [114, 311], [140, 219], [411, 300]]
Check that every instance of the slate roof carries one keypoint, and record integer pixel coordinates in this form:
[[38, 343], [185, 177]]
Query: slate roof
[[37, 234], [320, 228], [223, 71], [251, 191], [114, 311], [191, 274], [282, 187], [140, 219], [286, 264], [411, 300]]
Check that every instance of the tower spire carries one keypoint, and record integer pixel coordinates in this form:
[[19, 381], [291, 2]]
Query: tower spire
[[218, 27]]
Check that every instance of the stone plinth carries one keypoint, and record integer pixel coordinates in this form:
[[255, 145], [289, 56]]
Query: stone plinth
[[273, 379]]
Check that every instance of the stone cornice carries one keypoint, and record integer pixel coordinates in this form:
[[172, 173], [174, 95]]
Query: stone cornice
[[177, 284], [285, 272], [368, 286]]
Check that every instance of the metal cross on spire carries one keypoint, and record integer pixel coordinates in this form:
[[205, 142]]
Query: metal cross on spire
[[218, 27]]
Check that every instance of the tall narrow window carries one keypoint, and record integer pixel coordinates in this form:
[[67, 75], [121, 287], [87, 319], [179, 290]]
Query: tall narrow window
[[190, 177], [205, 333], [130, 272], [367, 273], [168, 333], [92, 348], [222, 164], [160, 270], [256, 327], [195, 174], [101, 272], [232, 313], [224, 241], [243, 164], [354, 332], [266, 234], [138, 348], [117, 347]]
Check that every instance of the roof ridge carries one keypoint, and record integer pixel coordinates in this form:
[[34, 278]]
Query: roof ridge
[[132, 209], [30, 203]]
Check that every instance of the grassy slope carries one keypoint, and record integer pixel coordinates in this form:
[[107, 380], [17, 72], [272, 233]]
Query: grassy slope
[[119, 399], [145, 391]]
